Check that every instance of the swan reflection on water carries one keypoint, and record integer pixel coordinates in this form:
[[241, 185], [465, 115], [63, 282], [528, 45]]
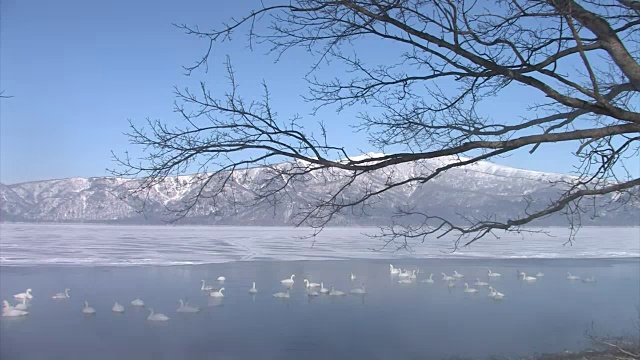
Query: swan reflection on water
[[213, 301], [282, 295]]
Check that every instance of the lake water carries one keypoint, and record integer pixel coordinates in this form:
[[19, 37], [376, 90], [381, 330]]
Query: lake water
[[393, 321]]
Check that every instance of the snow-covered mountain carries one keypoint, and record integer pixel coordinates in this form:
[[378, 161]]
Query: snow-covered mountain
[[477, 190]]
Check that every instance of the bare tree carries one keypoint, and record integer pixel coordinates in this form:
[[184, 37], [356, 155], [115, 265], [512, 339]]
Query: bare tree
[[621, 347], [581, 56]]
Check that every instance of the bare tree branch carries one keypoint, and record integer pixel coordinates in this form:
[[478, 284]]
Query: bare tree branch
[[456, 56]]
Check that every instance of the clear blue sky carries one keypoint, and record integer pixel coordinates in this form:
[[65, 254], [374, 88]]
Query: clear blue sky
[[78, 70]]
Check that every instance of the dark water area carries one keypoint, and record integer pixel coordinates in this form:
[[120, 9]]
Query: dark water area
[[392, 321]]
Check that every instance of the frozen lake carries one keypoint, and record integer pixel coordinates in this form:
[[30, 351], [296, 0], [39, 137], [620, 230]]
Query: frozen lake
[[101, 245]]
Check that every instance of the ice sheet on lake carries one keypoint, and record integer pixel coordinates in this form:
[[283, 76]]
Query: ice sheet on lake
[[99, 245]]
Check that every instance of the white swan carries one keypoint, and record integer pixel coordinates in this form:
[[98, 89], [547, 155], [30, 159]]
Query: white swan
[[117, 308], [539, 274], [589, 279], [88, 309], [323, 290], [335, 292], [22, 306], [393, 271], [447, 278], [62, 295], [253, 290], [205, 287], [25, 295], [406, 281], [157, 317], [468, 289], [429, 280], [353, 277], [403, 274], [358, 291], [217, 294], [288, 281], [572, 277], [221, 278], [213, 301], [528, 278], [456, 275], [480, 283], [497, 294], [413, 275], [311, 284], [492, 274], [185, 307], [282, 295], [137, 302], [10, 311], [14, 313]]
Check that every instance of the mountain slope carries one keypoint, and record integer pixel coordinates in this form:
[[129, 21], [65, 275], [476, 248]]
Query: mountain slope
[[477, 191]]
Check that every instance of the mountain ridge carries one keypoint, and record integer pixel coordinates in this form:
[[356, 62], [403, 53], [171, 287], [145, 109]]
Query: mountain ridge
[[370, 155], [477, 190]]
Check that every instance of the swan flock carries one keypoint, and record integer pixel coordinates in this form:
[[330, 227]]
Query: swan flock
[[312, 289]]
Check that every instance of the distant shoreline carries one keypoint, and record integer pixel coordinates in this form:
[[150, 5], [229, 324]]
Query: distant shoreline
[[112, 223], [453, 261]]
